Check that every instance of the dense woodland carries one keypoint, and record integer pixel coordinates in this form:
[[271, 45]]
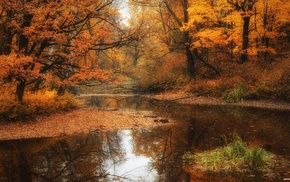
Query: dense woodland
[[231, 49]]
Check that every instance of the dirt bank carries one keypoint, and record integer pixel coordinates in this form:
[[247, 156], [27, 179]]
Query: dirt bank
[[187, 98]]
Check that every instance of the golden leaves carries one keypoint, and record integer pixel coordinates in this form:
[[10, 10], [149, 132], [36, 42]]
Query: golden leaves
[[201, 12], [209, 38], [55, 39]]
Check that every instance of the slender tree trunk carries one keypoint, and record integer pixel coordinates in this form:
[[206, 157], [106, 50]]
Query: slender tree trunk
[[23, 45], [20, 90], [189, 54], [244, 55], [6, 38], [136, 56], [245, 7], [190, 62]]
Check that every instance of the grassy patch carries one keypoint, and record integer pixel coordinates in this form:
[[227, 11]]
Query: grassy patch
[[236, 94], [236, 156]]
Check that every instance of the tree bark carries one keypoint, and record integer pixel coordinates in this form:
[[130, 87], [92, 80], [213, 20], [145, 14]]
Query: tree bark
[[6, 42], [20, 90], [190, 62], [246, 24], [187, 38]]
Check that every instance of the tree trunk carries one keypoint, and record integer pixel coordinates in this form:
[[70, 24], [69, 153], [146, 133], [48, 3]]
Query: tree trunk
[[244, 55], [61, 90], [24, 167], [20, 90], [190, 62], [136, 56], [189, 54], [187, 38]]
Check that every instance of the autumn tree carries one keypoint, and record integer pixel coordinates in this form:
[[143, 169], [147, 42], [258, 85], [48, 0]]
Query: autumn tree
[[174, 16], [246, 9], [180, 15], [207, 32], [44, 40]]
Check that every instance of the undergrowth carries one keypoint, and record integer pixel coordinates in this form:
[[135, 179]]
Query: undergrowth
[[34, 103], [161, 76]]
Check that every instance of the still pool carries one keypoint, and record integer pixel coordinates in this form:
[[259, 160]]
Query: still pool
[[149, 154]]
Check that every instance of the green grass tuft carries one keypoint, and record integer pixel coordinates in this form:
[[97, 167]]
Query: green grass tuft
[[236, 95], [235, 156]]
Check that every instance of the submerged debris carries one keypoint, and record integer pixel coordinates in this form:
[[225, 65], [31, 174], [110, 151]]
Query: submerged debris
[[161, 120]]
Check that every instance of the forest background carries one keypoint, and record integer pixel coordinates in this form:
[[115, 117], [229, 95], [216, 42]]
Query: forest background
[[230, 49]]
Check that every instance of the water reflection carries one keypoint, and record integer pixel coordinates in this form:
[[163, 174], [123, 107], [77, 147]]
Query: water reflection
[[136, 167], [152, 154], [79, 158], [107, 156], [268, 128]]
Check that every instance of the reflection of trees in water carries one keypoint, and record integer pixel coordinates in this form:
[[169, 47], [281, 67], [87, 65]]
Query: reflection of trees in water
[[120, 102], [208, 123], [74, 159], [164, 148], [86, 157]]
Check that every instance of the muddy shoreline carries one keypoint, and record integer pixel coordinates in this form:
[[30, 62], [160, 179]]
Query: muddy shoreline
[[191, 99]]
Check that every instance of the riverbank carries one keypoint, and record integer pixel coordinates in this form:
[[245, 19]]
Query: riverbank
[[89, 119], [188, 98], [82, 120]]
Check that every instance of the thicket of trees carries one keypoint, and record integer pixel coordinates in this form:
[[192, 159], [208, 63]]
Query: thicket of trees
[[227, 45], [215, 45], [56, 42]]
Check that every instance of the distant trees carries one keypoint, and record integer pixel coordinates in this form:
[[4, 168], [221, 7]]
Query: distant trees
[[226, 39]]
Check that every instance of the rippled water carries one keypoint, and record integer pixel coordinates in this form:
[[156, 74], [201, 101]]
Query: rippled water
[[152, 154]]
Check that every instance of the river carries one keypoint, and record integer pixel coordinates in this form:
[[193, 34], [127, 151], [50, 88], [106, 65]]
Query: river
[[148, 154]]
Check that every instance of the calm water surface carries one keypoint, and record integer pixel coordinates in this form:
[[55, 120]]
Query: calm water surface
[[152, 154]]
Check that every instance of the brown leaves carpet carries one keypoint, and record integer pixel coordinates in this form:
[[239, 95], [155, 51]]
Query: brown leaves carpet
[[77, 121]]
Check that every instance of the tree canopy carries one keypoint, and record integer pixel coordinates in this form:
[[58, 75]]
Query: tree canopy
[[43, 41], [62, 42]]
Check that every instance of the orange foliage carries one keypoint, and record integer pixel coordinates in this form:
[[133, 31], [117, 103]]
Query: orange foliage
[[53, 38]]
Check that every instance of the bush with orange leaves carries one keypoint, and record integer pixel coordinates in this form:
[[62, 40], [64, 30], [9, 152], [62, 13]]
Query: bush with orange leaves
[[43, 102]]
